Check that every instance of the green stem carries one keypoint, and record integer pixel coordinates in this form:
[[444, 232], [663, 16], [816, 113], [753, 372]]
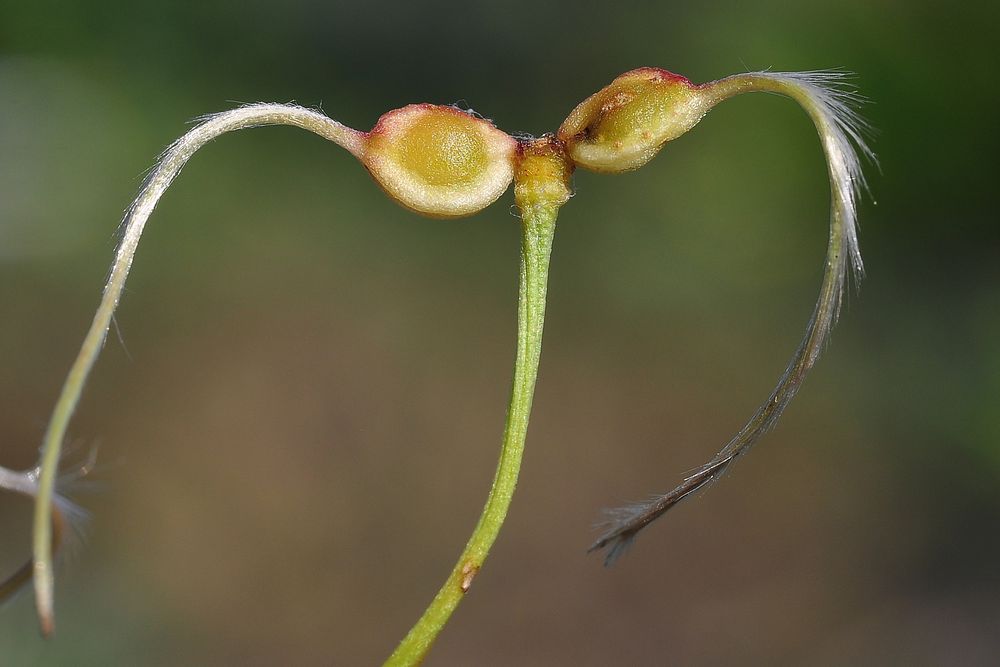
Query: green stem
[[538, 229]]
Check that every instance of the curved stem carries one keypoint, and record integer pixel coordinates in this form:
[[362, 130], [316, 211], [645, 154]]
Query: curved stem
[[839, 128], [171, 163], [538, 229], [26, 483]]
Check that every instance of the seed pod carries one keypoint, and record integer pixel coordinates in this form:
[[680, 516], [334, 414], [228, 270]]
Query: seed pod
[[439, 160], [622, 126]]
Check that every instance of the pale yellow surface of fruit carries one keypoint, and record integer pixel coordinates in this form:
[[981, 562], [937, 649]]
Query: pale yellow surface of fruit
[[440, 161]]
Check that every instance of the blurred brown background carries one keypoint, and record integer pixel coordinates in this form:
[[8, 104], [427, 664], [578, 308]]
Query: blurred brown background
[[301, 426]]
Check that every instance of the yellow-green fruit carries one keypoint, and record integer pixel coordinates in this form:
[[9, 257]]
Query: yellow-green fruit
[[622, 126], [438, 160]]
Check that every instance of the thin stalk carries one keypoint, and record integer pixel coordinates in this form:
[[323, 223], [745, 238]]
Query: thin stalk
[[26, 483], [840, 131], [171, 163], [538, 228]]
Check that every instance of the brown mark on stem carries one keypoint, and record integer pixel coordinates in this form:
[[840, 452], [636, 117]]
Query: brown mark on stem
[[469, 572]]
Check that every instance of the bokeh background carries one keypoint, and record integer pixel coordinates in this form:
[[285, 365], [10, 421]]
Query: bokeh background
[[299, 423]]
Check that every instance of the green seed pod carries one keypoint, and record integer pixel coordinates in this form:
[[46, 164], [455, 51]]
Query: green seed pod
[[439, 160], [622, 126]]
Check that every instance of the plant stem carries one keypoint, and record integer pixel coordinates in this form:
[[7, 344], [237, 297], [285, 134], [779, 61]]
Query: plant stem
[[170, 165], [840, 132], [26, 482], [538, 228]]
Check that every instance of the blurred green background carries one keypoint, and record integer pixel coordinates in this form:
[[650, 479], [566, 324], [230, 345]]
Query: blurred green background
[[301, 425]]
